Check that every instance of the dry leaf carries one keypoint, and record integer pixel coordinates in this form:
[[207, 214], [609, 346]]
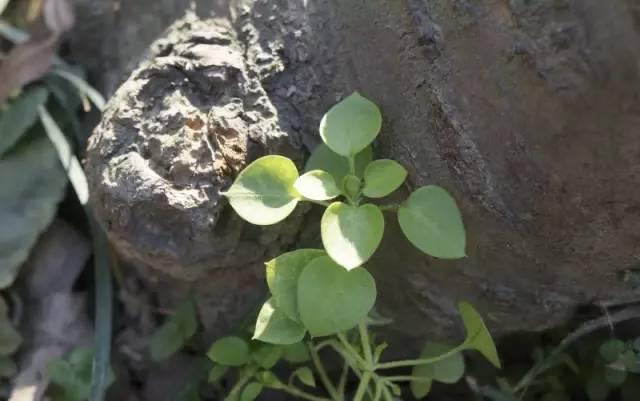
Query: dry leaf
[[25, 63], [58, 16]]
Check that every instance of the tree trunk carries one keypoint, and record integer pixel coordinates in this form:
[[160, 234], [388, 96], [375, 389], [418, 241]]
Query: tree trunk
[[527, 111]]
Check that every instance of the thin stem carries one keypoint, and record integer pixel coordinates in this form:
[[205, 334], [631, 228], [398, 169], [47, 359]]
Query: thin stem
[[366, 345], [378, 393], [296, 392], [423, 361], [352, 165], [407, 379], [362, 387], [342, 383], [389, 208], [326, 382], [234, 394], [386, 394], [350, 350]]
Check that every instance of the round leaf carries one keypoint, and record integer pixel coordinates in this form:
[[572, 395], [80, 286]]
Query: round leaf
[[317, 185], [351, 125], [282, 277], [382, 177], [216, 373], [327, 160], [275, 327], [614, 377], [264, 192], [612, 349], [478, 337], [332, 299], [296, 353], [229, 351], [448, 370], [251, 391], [267, 355], [431, 221], [351, 234], [351, 186], [597, 388], [305, 375], [420, 388]]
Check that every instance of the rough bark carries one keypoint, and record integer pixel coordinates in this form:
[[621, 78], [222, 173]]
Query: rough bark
[[527, 111]]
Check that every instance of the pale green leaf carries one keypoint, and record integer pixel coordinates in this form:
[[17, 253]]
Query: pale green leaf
[[251, 391], [317, 185], [351, 125], [305, 375], [229, 351], [432, 222], [282, 277], [264, 193], [274, 327], [29, 204], [267, 355], [351, 186], [448, 370], [478, 337], [351, 234], [174, 333], [296, 353], [382, 177], [20, 114], [327, 160], [332, 299]]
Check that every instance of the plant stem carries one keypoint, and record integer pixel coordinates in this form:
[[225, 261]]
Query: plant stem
[[342, 383], [350, 350], [366, 345], [235, 390], [407, 379], [389, 208], [362, 387], [423, 361], [296, 392], [352, 165], [324, 378]]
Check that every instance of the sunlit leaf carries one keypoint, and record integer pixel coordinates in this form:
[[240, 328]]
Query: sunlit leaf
[[327, 160], [478, 337], [351, 234], [332, 299], [432, 222], [351, 125], [175, 332], [317, 185], [382, 177], [282, 277], [274, 327], [229, 351], [264, 193]]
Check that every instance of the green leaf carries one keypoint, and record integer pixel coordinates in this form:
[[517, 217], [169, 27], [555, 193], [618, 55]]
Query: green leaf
[[268, 379], [296, 353], [332, 299], [317, 185], [251, 391], [274, 327], [216, 373], [421, 388], [172, 336], [351, 186], [597, 388], [282, 277], [20, 115], [73, 376], [614, 377], [612, 349], [327, 160], [264, 192], [478, 337], [29, 204], [382, 177], [351, 125], [351, 234], [448, 370], [431, 221], [10, 338], [305, 375], [229, 351], [8, 368], [267, 355]]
